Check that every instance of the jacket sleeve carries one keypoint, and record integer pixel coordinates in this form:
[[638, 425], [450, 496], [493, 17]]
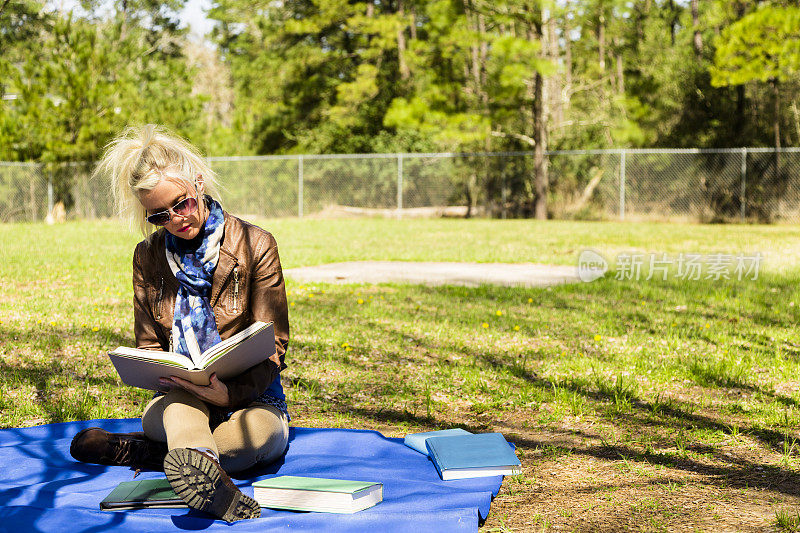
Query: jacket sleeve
[[267, 304], [144, 324]]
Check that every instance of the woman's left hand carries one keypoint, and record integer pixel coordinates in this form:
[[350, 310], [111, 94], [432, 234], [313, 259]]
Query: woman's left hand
[[215, 393]]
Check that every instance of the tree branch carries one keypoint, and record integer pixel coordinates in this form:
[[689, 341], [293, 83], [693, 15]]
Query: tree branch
[[519, 136], [3, 7]]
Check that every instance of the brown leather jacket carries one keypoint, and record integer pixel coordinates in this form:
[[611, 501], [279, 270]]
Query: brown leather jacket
[[247, 286]]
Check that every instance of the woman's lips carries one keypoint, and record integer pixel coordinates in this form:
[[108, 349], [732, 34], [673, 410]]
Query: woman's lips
[[184, 229]]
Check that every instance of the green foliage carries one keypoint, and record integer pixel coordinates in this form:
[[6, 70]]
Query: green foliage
[[762, 46], [347, 76]]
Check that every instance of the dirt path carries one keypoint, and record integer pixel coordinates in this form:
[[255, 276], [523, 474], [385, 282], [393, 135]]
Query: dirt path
[[437, 273]]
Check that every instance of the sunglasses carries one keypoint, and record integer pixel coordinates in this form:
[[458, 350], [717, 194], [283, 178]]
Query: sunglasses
[[184, 208]]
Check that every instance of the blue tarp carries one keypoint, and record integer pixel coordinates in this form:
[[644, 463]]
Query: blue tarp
[[43, 489]]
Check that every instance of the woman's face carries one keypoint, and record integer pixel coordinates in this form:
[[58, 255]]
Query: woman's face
[[169, 191]]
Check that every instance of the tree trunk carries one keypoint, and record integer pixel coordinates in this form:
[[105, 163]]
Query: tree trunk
[[698, 39], [601, 41], [539, 158], [776, 126], [777, 129], [673, 24], [620, 67], [567, 58], [405, 73], [739, 122]]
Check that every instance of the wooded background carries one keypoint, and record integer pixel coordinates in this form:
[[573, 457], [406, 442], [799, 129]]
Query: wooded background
[[339, 76]]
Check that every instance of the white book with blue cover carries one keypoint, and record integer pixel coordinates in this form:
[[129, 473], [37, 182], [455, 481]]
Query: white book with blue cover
[[467, 456], [416, 441]]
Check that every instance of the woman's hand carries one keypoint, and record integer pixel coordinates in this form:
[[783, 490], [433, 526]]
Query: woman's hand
[[215, 393]]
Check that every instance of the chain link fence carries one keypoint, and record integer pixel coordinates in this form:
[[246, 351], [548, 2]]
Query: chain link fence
[[702, 185]]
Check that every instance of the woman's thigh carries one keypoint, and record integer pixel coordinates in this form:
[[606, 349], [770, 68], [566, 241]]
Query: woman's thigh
[[182, 409]]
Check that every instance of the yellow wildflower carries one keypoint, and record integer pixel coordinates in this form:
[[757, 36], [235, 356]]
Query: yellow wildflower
[[499, 313], [516, 328], [484, 325], [597, 337], [95, 329], [360, 301]]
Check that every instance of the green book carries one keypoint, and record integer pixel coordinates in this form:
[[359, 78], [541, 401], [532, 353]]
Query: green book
[[299, 493], [142, 494]]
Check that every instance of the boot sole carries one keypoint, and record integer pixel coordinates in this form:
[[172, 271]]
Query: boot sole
[[197, 481]]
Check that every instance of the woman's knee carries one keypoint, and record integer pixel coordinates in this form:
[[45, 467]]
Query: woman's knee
[[153, 420], [252, 435]]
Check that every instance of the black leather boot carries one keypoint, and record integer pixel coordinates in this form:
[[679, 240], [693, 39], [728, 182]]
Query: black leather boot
[[201, 482], [95, 445]]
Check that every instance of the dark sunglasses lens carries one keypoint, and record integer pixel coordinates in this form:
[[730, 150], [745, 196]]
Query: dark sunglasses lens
[[186, 207], [159, 219]]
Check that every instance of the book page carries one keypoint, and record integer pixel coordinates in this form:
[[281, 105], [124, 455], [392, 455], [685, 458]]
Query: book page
[[220, 349], [166, 358]]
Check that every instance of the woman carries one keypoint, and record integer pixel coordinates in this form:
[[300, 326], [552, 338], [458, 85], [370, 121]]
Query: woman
[[203, 276]]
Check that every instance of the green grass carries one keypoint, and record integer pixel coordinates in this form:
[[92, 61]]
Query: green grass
[[646, 374]]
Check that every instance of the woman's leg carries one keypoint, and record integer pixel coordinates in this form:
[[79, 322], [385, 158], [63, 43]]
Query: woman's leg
[[180, 419], [258, 433]]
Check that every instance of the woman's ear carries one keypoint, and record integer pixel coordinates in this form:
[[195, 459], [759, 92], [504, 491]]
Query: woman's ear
[[199, 184]]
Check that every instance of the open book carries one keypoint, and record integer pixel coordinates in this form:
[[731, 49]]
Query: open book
[[142, 368]]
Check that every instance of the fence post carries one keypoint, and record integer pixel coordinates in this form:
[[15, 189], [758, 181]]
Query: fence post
[[300, 186], [742, 196], [622, 184], [399, 185]]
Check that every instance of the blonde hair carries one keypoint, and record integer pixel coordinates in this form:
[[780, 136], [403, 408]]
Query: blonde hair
[[137, 161]]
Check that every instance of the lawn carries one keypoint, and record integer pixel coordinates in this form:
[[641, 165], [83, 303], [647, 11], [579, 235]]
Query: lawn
[[634, 404]]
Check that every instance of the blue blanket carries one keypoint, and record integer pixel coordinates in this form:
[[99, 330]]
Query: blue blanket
[[43, 489]]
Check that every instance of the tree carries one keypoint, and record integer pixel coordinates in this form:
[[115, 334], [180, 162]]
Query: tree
[[764, 47]]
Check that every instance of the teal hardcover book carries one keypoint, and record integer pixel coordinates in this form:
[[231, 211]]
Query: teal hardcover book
[[142, 494], [416, 441], [466, 456]]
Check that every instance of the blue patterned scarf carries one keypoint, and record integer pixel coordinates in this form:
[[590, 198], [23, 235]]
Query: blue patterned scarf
[[193, 262]]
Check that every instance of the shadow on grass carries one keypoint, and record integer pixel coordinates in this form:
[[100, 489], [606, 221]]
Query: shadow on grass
[[602, 305], [36, 359], [739, 473]]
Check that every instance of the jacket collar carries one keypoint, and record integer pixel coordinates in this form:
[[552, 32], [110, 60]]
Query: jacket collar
[[227, 260]]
